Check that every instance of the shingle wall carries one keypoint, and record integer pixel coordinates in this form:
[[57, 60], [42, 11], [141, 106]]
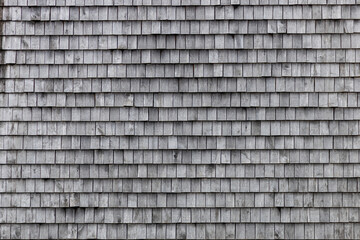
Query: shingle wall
[[169, 119]]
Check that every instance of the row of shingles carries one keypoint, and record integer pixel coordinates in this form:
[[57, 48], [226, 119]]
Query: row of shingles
[[179, 157], [171, 56], [182, 42], [175, 142], [210, 158], [182, 231], [305, 85], [50, 142], [199, 172], [95, 198], [330, 70], [177, 114], [131, 187], [172, 2], [193, 216], [198, 128], [187, 28], [68, 182], [179, 13], [180, 100]]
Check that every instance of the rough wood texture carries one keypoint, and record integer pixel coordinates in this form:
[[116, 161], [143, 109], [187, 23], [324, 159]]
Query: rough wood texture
[[180, 119]]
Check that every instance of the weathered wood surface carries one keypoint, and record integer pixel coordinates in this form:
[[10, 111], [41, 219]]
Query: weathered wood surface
[[180, 119]]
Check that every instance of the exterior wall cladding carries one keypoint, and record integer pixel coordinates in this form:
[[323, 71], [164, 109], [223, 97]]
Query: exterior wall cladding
[[180, 119]]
